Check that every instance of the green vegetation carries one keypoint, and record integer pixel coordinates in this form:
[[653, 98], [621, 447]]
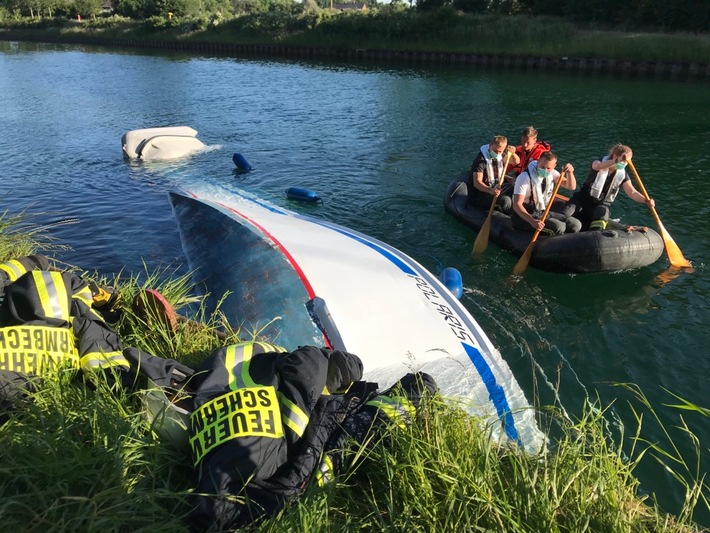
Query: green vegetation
[[19, 237], [547, 28], [77, 459]]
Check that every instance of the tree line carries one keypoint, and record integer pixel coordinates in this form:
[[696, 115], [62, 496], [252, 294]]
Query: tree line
[[646, 15]]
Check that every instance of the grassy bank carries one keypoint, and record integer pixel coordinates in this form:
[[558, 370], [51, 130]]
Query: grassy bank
[[75, 459], [444, 30]]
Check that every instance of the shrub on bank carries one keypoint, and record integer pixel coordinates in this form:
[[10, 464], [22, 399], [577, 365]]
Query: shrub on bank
[[441, 30]]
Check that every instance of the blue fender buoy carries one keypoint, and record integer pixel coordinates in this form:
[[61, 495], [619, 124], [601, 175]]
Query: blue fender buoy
[[241, 162], [451, 278], [304, 195]]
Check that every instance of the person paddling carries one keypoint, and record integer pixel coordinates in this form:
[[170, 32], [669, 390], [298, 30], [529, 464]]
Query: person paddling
[[486, 170], [533, 191], [592, 203]]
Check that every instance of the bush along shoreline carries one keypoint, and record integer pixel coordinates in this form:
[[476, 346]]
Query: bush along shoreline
[[651, 68], [442, 37]]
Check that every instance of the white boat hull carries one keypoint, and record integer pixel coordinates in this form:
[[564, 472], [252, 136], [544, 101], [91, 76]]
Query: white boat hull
[[298, 280]]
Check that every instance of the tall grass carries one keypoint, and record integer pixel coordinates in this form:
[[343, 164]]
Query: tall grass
[[75, 459], [81, 458], [444, 475], [20, 237]]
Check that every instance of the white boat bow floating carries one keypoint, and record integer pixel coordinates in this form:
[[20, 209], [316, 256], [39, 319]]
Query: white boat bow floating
[[160, 144], [299, 280]]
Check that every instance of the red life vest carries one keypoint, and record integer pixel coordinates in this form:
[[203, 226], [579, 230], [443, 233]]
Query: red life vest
[[539, 148]]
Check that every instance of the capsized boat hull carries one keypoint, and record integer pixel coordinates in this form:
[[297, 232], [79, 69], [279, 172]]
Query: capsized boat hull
[[160, 144], [299, 280]]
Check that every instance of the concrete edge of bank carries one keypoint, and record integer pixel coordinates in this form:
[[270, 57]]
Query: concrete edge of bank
[[663, 69]]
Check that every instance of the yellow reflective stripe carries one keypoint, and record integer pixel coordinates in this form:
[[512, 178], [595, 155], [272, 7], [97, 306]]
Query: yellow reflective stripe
[[249, 412], [399, 410], [84, 295], [325, 471], [13, 268], [30, 349], [236, 363], [52, 294], [103, 360], [293, 416]]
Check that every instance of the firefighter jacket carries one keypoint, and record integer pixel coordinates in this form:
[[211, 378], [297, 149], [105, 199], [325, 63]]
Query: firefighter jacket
[[11, 270], [47, 324], [265, 423]]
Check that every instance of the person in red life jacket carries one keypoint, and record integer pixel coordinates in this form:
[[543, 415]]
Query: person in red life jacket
[[486, 171], [592, 203], [529, 150], [48, 326], [533, 191]]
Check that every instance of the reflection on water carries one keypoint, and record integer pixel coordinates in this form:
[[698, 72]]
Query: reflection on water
[[672, 273]]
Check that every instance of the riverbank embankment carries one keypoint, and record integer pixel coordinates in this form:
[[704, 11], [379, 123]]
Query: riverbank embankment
[[680, 70]]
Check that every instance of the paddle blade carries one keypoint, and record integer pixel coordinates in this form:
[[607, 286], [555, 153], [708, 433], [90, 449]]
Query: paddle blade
[[522, 265], [481, 242], [675, 256]]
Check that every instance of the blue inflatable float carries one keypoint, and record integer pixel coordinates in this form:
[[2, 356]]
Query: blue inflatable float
[[303, 195], [451, 278], [241, 162]]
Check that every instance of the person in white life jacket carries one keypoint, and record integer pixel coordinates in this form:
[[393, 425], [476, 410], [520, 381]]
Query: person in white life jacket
[[533, 191], [485, 173], [592, 203], [48, 325], [266, 423]]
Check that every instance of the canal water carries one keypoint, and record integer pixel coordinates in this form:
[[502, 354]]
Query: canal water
[[379, 143]]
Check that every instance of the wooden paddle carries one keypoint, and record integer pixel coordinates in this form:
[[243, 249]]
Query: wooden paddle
[[522, 265], [674, 254], [481, 242], [152, 306]]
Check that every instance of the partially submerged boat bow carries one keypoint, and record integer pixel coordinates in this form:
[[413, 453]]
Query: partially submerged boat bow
[[298, 280], [160, 144]]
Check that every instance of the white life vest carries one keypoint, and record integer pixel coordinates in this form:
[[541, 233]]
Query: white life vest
[[597, 186], [540, 196], [489, 178]]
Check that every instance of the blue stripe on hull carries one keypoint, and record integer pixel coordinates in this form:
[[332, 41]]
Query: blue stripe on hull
[[496, 392]]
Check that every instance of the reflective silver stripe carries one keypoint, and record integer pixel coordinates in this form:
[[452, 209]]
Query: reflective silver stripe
[[52, 294], [236, 362], [235, 358], [292, 415], [84, 295], [13, 268], [324, 474]]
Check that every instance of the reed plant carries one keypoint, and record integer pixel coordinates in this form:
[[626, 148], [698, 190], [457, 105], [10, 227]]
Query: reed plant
[[19, 236], [445, 474]]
